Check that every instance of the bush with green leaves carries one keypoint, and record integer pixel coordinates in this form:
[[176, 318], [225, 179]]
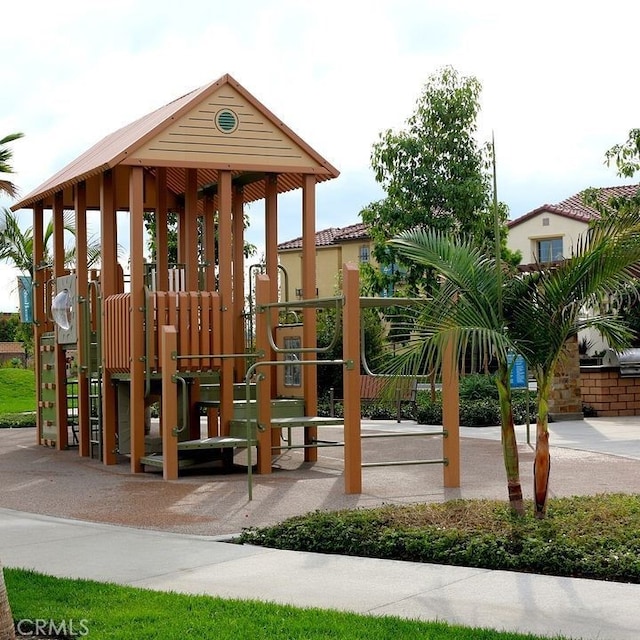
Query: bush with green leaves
[[589, 536]]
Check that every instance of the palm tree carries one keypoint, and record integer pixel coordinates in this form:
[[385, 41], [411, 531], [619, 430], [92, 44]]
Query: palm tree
[[545, 313], [5, 164], [16, 245], [466, 310], [542, 311]]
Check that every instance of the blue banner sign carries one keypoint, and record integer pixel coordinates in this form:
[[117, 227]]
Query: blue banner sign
[[25, 293], [518, 376]]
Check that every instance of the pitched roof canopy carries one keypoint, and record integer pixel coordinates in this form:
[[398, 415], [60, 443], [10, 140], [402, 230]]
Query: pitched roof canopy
[[220, 126], [574, 207]]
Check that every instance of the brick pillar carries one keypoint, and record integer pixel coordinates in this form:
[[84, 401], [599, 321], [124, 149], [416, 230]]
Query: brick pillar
[[565, 402]]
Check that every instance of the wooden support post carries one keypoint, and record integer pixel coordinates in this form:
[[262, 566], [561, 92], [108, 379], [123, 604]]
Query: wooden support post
[[137, 300], [39, 303], [169, 418], [263, 389], [351, 379], [162, 223], [450, 417], [238, 280], [109, 286], [62, 438], [309, 332], [84, 349], [271, 259], [209, 243], [225, 285], [191, 229]]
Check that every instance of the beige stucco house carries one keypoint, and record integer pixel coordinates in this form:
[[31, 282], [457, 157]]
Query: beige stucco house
[[549, 232], [334, 247]]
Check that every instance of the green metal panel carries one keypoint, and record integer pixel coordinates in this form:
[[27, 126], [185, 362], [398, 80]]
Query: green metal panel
[[47, 392]]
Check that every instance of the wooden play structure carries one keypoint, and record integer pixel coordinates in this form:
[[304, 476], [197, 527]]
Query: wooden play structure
[[111, 344]]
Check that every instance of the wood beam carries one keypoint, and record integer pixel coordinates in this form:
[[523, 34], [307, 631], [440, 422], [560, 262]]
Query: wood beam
[[162, 224], [209, 243], [351, 379], [191, 229], [109, 286], [225, 286], [82, 302], [40, 300], [137, 386], [271, 259], [309, 332], [238, 280], [62, 425]]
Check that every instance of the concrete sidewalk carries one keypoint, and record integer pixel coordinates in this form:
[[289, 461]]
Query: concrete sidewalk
[[164, 561], [171, 540]]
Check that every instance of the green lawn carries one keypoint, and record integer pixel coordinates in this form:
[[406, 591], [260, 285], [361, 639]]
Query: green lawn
[[103, 611], [17, 390]]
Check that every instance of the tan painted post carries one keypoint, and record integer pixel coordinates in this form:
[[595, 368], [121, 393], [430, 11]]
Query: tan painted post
[[263, 392], [351, 380], [271, 259], [238, 280], [108, 285], [39, 302], [62, 438], [162, 222], [225, 284], [209, 243], [168, 346], [450, 417], [309, 333], [137, 301], [191, 229], [80, 205], [182, 232]]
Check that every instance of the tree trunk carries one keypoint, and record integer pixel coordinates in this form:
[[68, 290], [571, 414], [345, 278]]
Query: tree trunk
[[509, 444], [7, 630], [542, 462]]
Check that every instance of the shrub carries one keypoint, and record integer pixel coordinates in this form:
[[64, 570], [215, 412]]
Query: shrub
[[590, 537], [17, 420], [478, 386]]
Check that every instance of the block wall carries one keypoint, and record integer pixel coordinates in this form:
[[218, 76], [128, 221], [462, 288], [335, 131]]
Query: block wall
[[609, 394]]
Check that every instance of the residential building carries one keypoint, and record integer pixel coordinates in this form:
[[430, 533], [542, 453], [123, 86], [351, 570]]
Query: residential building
[[334, 247], [549, 232]]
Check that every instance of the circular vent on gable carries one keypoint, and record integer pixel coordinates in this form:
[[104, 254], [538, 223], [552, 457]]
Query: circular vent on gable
[[226, 120]]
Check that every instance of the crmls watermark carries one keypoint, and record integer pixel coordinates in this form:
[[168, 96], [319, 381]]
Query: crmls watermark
[[39, 627]]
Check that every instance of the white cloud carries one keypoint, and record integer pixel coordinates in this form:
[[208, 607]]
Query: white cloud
[[558, 78]]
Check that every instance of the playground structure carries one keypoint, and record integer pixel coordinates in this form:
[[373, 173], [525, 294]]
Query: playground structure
[[177, 335]]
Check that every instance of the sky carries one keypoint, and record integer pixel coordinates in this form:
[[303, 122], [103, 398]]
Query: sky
[[559, 83]]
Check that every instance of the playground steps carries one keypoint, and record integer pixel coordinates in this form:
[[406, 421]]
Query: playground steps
[[188, 450], [238, 427]]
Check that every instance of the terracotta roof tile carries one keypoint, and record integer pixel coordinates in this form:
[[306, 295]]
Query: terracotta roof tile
[[332, 235], [11, 347], [574, 206]]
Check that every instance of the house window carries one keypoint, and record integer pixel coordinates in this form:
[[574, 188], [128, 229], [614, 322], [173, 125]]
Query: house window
[[550, 250], [364, 253], [292, 372]]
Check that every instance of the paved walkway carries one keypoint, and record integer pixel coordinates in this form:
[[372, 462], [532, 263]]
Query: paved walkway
[[34, 483]]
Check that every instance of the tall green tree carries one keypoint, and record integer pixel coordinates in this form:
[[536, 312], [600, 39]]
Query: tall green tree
[[434, 174]]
